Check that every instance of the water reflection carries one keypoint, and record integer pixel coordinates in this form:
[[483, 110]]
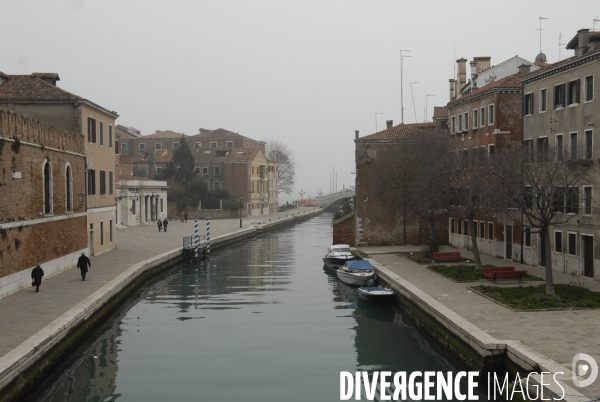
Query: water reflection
[[260, 322]]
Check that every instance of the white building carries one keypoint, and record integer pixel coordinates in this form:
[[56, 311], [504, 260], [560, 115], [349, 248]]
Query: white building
[[141, 201]]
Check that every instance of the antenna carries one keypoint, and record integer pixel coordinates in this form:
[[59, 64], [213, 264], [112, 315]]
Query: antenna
[[559, 44], [401, 89], [425, 113], [540, 29], [413, 98], [594, 26], [376, 120]]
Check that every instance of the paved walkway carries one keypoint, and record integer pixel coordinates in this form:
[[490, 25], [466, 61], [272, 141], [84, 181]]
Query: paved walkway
[[24, 313], [557, 334]]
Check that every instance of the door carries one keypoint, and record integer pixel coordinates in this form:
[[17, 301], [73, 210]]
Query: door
[[543, 249], [588, 256], [91, 239], [508, 239]]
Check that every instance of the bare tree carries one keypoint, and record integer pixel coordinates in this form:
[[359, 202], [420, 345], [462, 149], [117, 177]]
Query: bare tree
[[544, 191], [286, 172]]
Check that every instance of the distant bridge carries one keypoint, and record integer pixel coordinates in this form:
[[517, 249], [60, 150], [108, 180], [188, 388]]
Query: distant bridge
[[334, 200]]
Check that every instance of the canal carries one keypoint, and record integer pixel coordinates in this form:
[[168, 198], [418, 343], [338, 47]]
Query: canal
[[263, 321]]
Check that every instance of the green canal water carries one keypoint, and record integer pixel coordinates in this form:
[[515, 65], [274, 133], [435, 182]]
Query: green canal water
[[263, 321]]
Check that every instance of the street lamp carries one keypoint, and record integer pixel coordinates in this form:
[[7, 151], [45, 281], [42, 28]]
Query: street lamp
[[301, 194], [320, 193], [241, 205]]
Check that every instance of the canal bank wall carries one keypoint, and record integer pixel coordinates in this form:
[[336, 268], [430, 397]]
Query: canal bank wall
[[26, 365], [477, 349]]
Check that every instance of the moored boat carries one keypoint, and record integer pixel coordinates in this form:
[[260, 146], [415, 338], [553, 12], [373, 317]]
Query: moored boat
[[356, 272], [337, 255], [374, 293]]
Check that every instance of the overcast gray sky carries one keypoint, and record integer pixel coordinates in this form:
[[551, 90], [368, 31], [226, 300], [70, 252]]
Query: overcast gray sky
[[306, 72]]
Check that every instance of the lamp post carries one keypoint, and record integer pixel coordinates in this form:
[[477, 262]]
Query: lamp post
[[241, 205], [320, 193], [301, 194]]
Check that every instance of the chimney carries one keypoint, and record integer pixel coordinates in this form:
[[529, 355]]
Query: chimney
[[389, 124], [525, 68], [583, 42], [452, 86], [483, 63], [461, 77], [356, 134]]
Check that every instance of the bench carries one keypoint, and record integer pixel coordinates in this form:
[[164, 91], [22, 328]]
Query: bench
[[519, 275], [491, 270], [447, 256]]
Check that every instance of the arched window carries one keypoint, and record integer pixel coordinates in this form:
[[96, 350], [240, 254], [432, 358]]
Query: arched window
[[69, 188], [47, 188], [216, 185]]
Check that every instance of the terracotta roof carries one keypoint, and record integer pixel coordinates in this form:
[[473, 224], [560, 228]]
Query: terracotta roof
[[400, 131], [3, 75], [124, 134], [509, 82], [440, 112], [160, 156], [232, 154], [163, 134], [593, 35], [33, 87], [53, 76]]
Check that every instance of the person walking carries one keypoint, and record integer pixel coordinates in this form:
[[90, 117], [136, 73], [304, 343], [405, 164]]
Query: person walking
[[159, 223], [181, 217], [36, 276], [185, 217], [82, 263], [165, 223]]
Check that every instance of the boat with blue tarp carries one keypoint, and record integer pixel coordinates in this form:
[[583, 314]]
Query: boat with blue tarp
[[356, 272]]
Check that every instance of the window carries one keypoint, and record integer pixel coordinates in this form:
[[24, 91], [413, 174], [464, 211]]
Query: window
[[559, 147], [110, 230], [158, 145], [527, 237], [451, 225], [491, 230], [453, 124], [542, 149], [110, 137], [491, 150], [204, 171], [573, 98], [101, 132], [91, 182], [559, 96], [175, 145], [573, 145], [475, 122], [197, 170], [543, 100], [558, 246], [158, 170], [460, 129], [482, 117], [217, 171], [572, 237], [466, 228], [482, 230], [588, 142], [479, 155], [216, 185], [229, 144], [142, 146], [101, 233], [117, 147], [197, 145], [110, 182], [161, 205], [528, 105], [213, 144], [572, 194], [123, 145], [587, 195], [102, 182], [558, 200], [528, 150], [475, 229], [69, 188], [466, 121], [91, 129], [589, 88], [48, 187], [491, 115], [133, 207], [527, 197], [459, 227]]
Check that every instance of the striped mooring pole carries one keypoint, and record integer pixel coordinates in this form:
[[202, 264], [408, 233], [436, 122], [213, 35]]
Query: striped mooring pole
[[208, 237], [196, 236]]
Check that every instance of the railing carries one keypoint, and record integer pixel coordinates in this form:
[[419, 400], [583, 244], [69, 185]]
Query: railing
[[188, 241]]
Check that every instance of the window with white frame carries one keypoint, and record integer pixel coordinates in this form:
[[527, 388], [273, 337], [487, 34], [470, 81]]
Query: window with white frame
[[217, 171], [453, 124], [543, 100], [588, 143], [69, 187], [573, 145], [482, 117], [482, 230], [528, 150], [101, 133], [559, 147], [475, 228], [475, 120], [48, 187], [559, 96], [587, 196], [528, 105], [573, 92], [158, 170], [142, 146], [123, 145], [91, 129], [589, 88], [213, 144], [490, 115], [572, 199], [176, 145], [466, 121], [197, 145], [158, 145], [491, 230], [572, 240], [205, 171], [460, 129], [542, 149], [558, 241], [229, 144], [466, 228], [110, 136]]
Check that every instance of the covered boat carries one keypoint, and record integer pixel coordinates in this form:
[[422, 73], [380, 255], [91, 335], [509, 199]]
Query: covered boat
[[356, 272], [337, 255]]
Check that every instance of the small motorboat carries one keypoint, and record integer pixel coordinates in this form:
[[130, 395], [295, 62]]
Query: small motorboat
[[356, 272], [337, 255], [374, 293]]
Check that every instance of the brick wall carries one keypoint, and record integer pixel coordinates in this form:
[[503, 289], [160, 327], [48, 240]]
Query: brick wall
[[343, 230]]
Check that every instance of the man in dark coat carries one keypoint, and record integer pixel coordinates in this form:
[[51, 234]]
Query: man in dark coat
[[82, 263], [165, 223], [159, 223], [36, 276]]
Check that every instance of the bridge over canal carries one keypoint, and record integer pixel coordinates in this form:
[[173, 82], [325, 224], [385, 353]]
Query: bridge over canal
[[333, 201]]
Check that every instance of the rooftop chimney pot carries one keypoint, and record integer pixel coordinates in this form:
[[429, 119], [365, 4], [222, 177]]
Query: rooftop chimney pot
[[389, 124], [356, 134]]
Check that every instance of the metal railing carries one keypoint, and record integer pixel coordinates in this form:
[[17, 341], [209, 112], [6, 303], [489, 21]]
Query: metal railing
[[188, 241]]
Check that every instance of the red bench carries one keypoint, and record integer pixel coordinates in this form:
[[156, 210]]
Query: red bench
[[519, 275], [447, 256], [491, 270]]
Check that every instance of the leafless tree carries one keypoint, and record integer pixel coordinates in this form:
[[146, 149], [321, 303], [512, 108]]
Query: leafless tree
[[286, 172], [544, 191]]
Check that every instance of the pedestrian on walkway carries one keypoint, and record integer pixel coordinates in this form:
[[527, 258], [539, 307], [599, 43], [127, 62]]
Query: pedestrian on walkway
[[185, 217], [36, 276], [159, 223], [165, 223], [181, 217], [82, 263]]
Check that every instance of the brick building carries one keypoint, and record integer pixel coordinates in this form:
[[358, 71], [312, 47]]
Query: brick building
[[43, 215]]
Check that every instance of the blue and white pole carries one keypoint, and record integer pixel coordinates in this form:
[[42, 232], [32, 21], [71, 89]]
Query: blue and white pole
[[196, 236], [208, 237]]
